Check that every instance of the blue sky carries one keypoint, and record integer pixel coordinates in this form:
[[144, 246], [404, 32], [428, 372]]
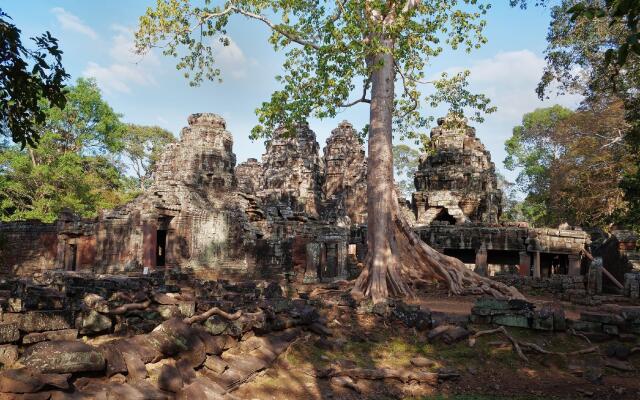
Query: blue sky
[[97, 38]]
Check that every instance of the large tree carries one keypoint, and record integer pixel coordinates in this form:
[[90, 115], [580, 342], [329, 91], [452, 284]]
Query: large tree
[[571, 164], [333, 49], [29, 77], [594, 49], [142, 146], [75, 165]]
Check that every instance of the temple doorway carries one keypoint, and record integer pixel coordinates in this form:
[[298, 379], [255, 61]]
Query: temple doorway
[[70, 256], [161, 248], [444, 216]]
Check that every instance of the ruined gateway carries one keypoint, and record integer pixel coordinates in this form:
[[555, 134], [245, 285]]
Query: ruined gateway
[[295, 215]]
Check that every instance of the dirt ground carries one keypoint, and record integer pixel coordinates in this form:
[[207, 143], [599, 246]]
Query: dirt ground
[[489, 370]]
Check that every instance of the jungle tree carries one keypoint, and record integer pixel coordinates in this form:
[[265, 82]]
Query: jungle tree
[[334, 49]]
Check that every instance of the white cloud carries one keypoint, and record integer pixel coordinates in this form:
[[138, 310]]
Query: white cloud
[[509, 79], [73, 23], [127, 69], [231, 59]]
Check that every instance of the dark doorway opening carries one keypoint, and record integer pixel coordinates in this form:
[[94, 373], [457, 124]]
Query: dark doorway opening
[[330, 267], [70, 257], [553, 264], [444, 216], [467, 256], [161, 248], [503, 257]]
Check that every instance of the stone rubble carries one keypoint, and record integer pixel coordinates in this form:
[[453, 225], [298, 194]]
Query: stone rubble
[[141, 351]]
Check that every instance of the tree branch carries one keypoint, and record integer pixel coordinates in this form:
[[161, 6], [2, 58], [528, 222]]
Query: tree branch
[[362, 99], [266, 21]]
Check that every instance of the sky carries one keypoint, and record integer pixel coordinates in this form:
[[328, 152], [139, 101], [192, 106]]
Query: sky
[[97, 40]]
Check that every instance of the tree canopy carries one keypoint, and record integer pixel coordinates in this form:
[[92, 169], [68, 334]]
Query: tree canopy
[[571, 164], [30, 78], [329, 51], [78, 164], [142, 146]]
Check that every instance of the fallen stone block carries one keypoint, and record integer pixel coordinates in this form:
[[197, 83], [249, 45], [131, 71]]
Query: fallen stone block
[[216, 364], [514, 320], [601, 317], [201, 388], [63, 357], [63, 334], [40, 321], [9, 332], [170, 379], [8, 355], [28, 380], [93, 322]]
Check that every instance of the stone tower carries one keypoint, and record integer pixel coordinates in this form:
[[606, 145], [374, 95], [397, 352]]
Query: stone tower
[[292, 170], [202, 158], [456, 183], [345, 172]]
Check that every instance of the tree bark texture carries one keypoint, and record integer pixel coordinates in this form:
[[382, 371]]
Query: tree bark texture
[[396, 255]]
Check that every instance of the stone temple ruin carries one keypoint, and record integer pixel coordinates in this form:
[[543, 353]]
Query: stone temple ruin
[[178, 293], [297, 215]]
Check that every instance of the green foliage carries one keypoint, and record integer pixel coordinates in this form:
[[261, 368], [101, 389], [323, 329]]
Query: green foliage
[[625, 12], [405, 162], [74, 166], [585, 38], [29, 78], [142, 146], [330, 47], [572, 164], [529, 150]]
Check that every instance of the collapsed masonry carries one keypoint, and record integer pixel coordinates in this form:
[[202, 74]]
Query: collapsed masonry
[[295, 215]]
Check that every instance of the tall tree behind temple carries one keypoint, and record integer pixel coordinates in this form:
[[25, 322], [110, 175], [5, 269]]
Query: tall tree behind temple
[[142, 146], [75, 165], [572, 164], [580, 41], [405, 163], [29, 78]]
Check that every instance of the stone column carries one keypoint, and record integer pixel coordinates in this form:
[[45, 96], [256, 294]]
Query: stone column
[[524, 267], [574, 265], [149, 244], [481, 261], [536, 265]]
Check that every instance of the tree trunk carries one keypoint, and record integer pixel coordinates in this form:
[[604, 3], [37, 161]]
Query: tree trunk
[[396, 255]]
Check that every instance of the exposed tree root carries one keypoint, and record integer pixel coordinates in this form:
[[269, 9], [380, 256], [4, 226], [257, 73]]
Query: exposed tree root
[[211, 312], [580, 335], [406, 258], [130, 307], [514, 342], [519, 346]]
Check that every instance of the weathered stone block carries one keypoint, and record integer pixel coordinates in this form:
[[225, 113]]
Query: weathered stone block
[[8, 355], [63, 357], [543, 323], [39, 321], [63, 334], [187, 308], [9, 332], [93, 322], [586, 326], [514, 320], [605, 318]]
